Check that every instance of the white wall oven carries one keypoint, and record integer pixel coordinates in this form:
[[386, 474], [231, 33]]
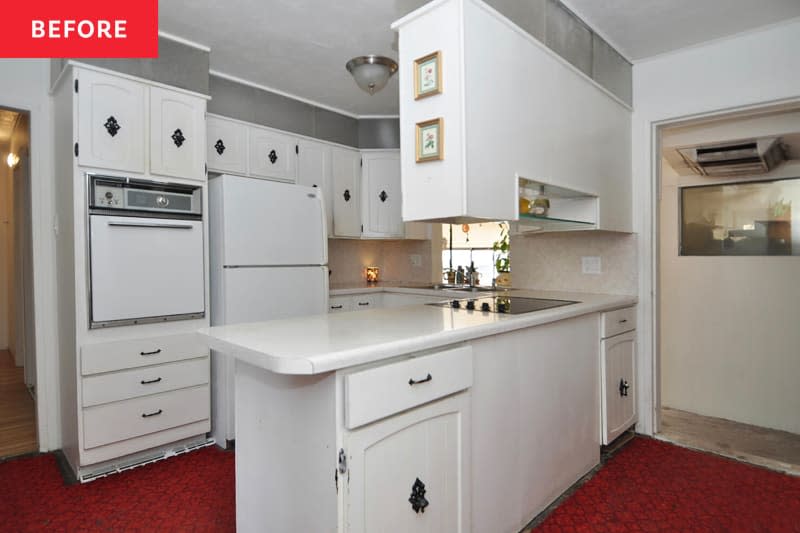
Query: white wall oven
[[145, 252]]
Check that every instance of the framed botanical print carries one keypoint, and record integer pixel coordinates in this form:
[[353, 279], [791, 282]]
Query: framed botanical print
[[430, 136], [428, 75]]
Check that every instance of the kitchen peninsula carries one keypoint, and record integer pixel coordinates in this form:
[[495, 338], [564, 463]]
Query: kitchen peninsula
[[415, 418]]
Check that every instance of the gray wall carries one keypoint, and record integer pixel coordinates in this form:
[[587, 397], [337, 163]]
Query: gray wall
[[177, 65], [379, 133], [568, 36]]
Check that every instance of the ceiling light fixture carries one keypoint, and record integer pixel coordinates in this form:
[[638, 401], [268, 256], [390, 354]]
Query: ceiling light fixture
[[12, 160], [371, 72]]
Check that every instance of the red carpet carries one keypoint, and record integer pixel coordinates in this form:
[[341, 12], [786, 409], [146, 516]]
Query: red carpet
[[191, 492], [654, 486]]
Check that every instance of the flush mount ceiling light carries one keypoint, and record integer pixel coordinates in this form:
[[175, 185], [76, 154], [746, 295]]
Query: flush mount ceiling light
[[371, 72]]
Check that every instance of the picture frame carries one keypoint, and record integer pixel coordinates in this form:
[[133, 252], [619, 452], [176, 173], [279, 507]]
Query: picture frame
[[430, 140], [428, 75]]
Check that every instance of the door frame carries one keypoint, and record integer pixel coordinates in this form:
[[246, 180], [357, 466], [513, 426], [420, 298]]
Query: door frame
[[646, 212]]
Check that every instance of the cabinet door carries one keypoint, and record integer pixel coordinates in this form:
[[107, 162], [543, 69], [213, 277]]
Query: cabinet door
[[314, 170], [111, 117], [272, 155], [381, 198], [422, 455], [619, 390], [177, 134], [346, 174], [226, 146]]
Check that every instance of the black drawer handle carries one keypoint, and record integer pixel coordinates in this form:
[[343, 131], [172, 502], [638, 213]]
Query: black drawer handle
[[337, 306], [623, 320], [154, 413], [623, 387], [363, 303], [413, 382], [149, 381], [154, 352]]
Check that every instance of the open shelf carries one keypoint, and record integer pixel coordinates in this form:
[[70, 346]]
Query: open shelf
[[570, 209], [548, 223]]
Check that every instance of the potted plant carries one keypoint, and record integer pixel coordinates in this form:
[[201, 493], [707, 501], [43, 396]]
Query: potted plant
[[502, 262]]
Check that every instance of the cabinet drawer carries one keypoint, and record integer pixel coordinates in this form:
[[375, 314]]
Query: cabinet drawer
[[115, 386], [337, 304], [365, 301], [381, 391], [118, 421], [113, 356], [619, 321]]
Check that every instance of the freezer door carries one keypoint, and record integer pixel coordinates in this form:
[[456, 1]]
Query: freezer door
[[269, 223], [258, 294]]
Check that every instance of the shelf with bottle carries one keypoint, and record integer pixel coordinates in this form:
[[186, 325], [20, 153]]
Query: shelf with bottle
[[544, 207]]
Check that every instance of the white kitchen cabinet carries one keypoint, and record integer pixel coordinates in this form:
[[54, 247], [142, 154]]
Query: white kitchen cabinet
[[355, 302], [272, 154], [393, 299], [111, 121], [338, 304], [617, 373], [407, 472], [547, 121], [177, 134], [226, 145], [314, 170], [381, 195], [346, 192]]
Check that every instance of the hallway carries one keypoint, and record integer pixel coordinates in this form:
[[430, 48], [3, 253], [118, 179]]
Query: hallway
[[17, 413]]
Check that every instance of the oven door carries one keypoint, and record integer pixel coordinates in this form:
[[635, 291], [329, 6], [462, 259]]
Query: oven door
[[145, 269]]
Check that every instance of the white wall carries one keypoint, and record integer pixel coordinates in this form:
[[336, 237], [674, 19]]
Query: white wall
[[748, 70], [23, 85]]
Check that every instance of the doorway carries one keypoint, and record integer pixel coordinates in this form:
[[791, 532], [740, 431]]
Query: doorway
[[728, 297], [18, 434]]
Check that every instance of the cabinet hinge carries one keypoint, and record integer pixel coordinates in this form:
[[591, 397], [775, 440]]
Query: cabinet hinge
[[76, 85], [205, 165], [297, 149], [342, 465], [362, 161], [362, 228], [76, 149]]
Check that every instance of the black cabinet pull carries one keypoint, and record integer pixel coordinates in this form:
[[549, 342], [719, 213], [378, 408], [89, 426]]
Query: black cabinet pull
[[154, 352], [623, 387], [417, 498], [178, 138], [336, 306], [149, 381], [154, 413], [413, 382], [272, 156], [219, 146], [346, 195], [112, 126], [363, 303], [623, 320], [383, 196]]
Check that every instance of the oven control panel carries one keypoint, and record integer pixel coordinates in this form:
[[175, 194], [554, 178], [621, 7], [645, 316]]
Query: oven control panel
[[109, 196]]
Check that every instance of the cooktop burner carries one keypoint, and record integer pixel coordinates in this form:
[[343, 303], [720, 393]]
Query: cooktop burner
[[512, 305]]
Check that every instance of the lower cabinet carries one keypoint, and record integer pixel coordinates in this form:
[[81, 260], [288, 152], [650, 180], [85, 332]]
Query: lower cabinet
[[617, 366], [354, 302], [407, 472]]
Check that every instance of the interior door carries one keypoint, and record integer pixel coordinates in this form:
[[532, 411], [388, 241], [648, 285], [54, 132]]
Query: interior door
[[382, 195], [145, 267], [346, 173], [177, 134], [619, 394]]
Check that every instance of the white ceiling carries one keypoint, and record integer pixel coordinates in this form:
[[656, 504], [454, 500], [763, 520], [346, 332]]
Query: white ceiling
[[300, 47], [644, 28]]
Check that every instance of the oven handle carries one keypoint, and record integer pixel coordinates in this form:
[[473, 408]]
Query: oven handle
[[149, 225]]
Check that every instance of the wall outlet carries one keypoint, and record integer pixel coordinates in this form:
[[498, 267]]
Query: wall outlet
[[416, 260], [591, 265]]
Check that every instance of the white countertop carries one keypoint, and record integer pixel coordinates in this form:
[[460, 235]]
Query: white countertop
[[324, 343]]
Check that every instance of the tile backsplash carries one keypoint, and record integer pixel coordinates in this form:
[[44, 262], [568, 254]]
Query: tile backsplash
[[552, 261], [348, 258]]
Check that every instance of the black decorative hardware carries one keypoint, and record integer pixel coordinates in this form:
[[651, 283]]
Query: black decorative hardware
[[297, 149], [219, 146], [273, 156], [178, 138], [76, 150], [623, 320], [342, 467], [383, 196], [413, 382], [623, 387], [346, 195], [417, 498], [149, 381], [76, 85], [154, 352], [155, 413], [337, 306], [112, 126], [315, 185], [363, 303]]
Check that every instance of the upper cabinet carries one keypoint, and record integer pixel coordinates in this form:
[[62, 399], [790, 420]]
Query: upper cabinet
[[111, 121], [346, 192], [226, 145], [381, 193], [132, 126], [177, 134], [272, 154], [509, 109]]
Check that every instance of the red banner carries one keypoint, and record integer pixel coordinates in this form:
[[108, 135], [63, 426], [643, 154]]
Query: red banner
[[79, 28]]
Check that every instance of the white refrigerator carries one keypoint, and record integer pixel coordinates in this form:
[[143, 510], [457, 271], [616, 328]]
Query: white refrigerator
[[268, 259]]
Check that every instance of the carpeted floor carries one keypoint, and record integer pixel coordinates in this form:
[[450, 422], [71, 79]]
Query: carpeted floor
[[648, 486]]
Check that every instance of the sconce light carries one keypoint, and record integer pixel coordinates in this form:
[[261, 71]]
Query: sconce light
[[12, 160], [372, 274]]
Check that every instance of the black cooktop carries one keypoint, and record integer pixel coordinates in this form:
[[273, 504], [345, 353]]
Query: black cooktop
[[512, 305]]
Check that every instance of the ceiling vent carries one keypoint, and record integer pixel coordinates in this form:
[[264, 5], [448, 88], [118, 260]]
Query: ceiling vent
[[735, 158]]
